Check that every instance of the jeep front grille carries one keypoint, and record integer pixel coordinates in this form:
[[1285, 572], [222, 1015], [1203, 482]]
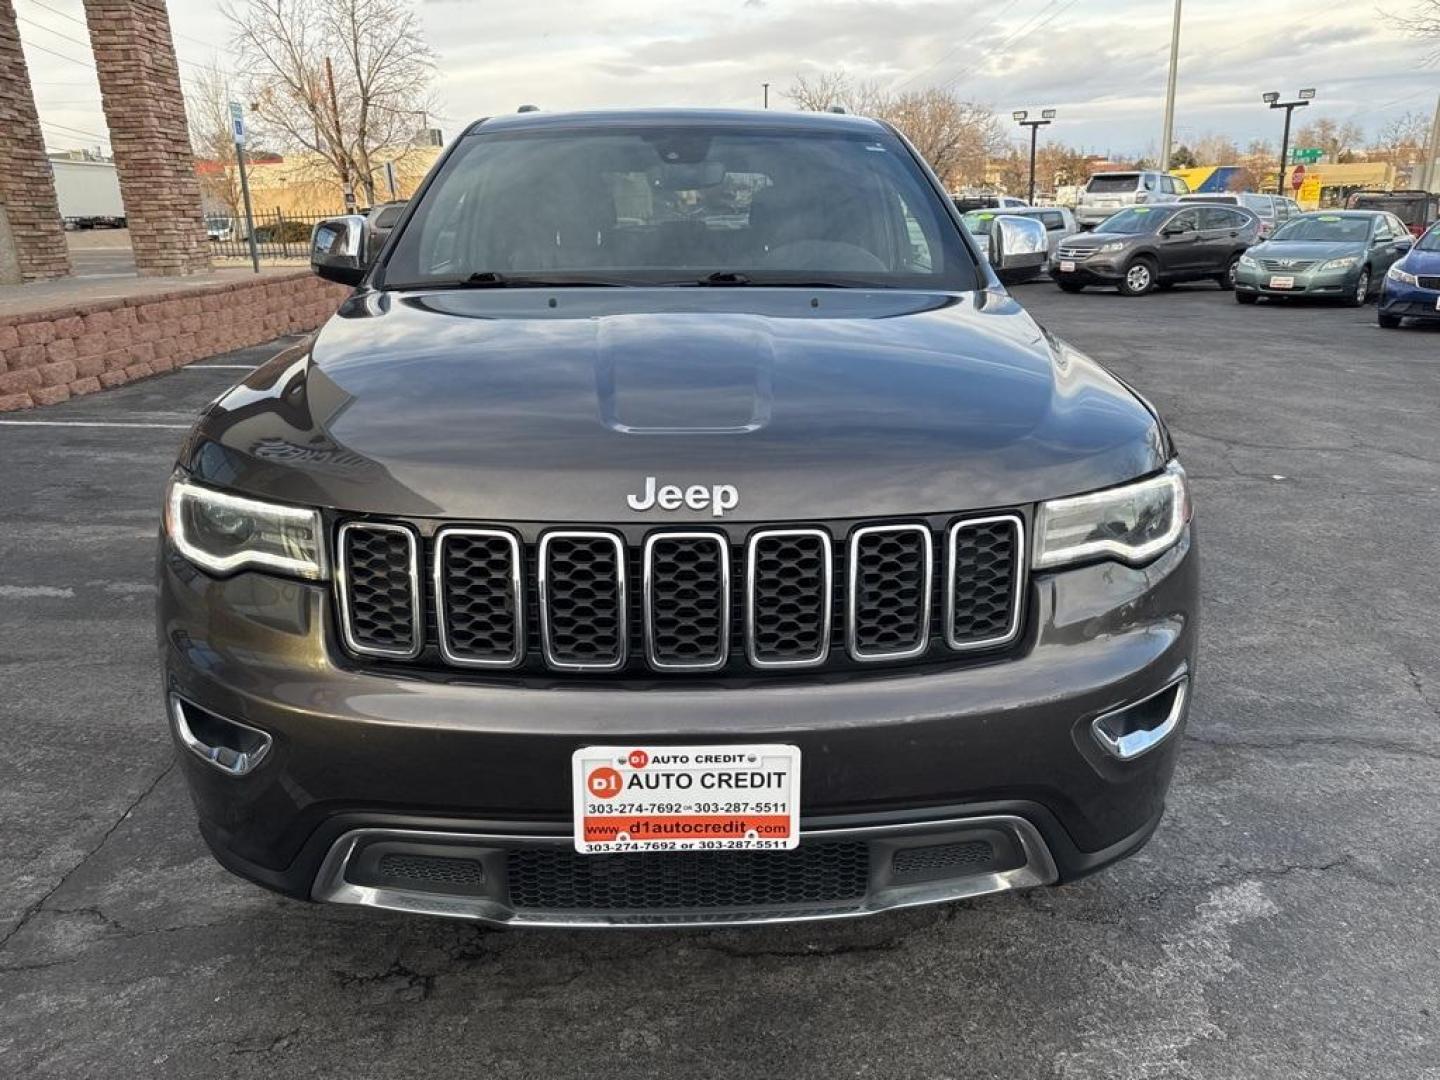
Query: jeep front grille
[[380, 591], [728, 599]]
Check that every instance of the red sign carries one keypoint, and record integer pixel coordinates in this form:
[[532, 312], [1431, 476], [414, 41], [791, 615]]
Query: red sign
[[1297, 176]]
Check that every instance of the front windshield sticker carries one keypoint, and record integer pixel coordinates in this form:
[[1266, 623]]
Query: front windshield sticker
[[1141, 209], [1328, 217]]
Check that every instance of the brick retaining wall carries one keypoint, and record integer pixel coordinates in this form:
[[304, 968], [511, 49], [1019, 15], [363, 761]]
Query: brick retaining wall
[[50, 356]]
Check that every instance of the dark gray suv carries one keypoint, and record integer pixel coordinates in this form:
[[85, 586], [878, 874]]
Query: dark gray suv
[[678, 524], [1147, 247]]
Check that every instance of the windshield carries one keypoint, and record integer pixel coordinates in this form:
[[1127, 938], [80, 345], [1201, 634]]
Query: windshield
[[1131, 220], [1110, 183], [712, 204], [1430, 240], [1325, 227]]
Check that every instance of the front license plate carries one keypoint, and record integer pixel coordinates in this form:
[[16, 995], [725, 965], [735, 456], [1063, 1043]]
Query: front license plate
[[1067, 267], [1282, 283], [686, 798]]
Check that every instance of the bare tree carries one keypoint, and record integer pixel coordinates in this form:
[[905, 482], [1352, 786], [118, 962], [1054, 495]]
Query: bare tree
[[1423, 22], [207, 107], [346, 80], [1401, 142], [958, 138], [1339, 139]]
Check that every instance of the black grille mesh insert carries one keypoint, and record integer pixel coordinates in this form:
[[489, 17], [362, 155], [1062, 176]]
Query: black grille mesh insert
[[890, 600], [939, 860], [788, 609], [557, 879], [983, 606], [584, 610], [430, 870], [377, 568], [688, 600], [477, 588]]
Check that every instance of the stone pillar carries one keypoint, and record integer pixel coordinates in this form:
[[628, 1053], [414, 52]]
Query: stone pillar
[[140, 92], [32, 236]]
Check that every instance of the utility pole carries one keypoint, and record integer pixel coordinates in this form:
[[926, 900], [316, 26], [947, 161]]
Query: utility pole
[[765, 88], [237, 132], [1429, 178], [346, 187], [1302, 99], [1047, 116], [1168, 135]]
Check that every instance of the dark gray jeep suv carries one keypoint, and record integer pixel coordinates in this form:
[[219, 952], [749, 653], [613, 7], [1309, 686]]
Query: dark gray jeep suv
[[677, 524]]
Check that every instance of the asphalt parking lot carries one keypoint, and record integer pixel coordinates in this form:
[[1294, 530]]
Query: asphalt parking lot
[[1284, 922]]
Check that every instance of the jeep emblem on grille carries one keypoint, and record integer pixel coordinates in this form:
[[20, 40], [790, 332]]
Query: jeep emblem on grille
[[718, 497]]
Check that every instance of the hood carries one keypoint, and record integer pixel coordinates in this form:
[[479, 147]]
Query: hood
[[1306, 250], [535, 405], [1421, 262]]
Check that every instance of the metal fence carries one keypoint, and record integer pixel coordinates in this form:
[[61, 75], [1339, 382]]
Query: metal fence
[[278, 235]]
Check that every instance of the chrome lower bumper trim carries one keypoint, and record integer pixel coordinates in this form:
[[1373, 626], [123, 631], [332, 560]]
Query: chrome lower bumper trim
[[332, 886]]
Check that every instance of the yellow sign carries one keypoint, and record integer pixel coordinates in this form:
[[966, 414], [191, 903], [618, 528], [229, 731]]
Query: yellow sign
[[1309, 194]]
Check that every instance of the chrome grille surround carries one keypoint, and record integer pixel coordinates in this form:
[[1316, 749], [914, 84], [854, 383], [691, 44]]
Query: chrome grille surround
[[853, 614], [344, 587], [1018, 567], [1289, 266], [532, 599], [442, 599], [827, 597], [547, 630], [650, 586]]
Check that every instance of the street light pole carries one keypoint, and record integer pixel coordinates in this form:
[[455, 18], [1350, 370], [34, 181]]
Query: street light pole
[[1272, 99], [1047, 116], [1167, 137]]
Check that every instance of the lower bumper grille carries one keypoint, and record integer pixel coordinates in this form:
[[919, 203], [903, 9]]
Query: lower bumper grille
[[543, 881], [552, 879]]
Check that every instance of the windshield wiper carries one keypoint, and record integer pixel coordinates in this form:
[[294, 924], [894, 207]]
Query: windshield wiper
[[493, 279], [734, 277]]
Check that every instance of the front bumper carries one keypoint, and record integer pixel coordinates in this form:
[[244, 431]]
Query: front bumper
[[1095, 270], [917, 756], [1329, 283], [1409, 301]]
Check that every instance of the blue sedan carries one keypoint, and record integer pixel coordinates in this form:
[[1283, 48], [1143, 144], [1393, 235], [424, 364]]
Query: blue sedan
[[1412, 284]]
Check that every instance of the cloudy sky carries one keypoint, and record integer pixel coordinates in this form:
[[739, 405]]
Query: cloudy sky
[[1101, 63]]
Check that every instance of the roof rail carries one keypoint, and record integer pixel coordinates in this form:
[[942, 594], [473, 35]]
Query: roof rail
[[836, 109], [528, 108]]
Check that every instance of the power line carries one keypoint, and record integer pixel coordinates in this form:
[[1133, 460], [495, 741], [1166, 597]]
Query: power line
[[931, 67], [75, 131], [1028, 28], [86, 45], [81, 22]]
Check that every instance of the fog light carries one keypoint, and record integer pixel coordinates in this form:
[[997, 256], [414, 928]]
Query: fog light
[[1137, 729]]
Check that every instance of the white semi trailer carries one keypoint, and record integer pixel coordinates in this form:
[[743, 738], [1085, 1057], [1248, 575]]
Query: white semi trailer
[[89, 194]]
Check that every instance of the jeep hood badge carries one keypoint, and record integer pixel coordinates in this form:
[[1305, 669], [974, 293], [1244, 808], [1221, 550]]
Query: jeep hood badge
[[718, 497]]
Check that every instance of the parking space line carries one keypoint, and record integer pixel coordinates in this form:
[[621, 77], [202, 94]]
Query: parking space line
[[93, 423]]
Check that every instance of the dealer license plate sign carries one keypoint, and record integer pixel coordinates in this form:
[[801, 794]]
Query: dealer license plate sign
[[1067, 267], [686, 798], [1282, 282]]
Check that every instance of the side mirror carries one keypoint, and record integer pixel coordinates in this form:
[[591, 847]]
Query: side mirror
[[337, 249], [1017, 244], [1176, 230]]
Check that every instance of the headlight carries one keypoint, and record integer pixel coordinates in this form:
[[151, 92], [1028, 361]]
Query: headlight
[[1247, 261], [225, 533], [1133, 523], [1397, 274], [1340, 264], [1114, 245]]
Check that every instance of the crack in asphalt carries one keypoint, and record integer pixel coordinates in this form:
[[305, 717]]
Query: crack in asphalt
[[31, 911], [279, 1042], [1385, 746], [1242, 875], [1420, 690], [808, 951]]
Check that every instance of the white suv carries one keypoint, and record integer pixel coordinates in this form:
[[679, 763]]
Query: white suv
[[1111, 191]]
